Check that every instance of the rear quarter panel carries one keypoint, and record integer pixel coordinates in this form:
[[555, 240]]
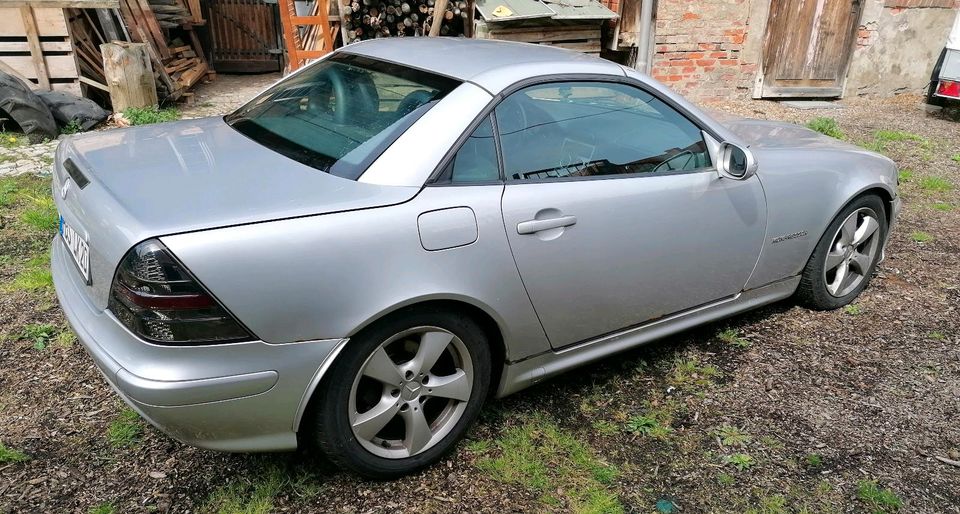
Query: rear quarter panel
[[805, 189], [328, 276]]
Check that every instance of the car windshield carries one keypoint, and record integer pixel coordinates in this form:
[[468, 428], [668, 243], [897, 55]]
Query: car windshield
[[342, 113]]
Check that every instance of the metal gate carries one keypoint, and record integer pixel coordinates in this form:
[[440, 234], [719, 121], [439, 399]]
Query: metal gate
[[807, 47], [246, 35]]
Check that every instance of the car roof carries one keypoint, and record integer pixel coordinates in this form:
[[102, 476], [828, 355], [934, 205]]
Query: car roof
[[492, 65]]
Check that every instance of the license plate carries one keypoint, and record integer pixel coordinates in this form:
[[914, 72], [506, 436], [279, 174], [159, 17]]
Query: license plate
[[78, 248]]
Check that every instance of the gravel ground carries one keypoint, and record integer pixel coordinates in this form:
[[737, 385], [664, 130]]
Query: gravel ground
[[779, 410]]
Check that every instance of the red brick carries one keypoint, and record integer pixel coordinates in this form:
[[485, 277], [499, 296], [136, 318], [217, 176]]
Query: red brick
[[687, 16], [706, 62]]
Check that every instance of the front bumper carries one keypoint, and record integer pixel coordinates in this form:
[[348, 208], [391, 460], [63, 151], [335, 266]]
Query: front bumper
[[233, 397], [895, 207]]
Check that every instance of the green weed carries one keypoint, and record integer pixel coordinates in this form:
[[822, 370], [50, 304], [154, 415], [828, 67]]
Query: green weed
[[650, 425], [942, 207], [149, 115], [826, 126], [42, 215], [8, 189], [8, 455], [726, 479], [936, 335], [853, 309], [732, 436], [36, 276], [732, 337], [39, 333], [71, 128], [740, 461], [813, 461], [605, 427], [690, 374], [103, 508], [11, 140], [878, 499], [921, 237], [478, 446], [126, 429], [540, 456], [955, 158], [890, 136], [905, 175]]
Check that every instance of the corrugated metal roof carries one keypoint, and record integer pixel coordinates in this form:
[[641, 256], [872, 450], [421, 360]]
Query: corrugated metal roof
[[493, 11]]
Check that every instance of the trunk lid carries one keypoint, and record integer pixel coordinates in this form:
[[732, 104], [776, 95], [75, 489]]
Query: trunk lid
[[186, 176]]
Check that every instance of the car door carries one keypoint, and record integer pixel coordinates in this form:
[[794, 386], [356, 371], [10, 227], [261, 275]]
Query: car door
[[614, 211]]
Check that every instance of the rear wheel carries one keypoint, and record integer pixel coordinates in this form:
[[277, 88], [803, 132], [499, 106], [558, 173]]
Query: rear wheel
[[403, 393], [846, 256]]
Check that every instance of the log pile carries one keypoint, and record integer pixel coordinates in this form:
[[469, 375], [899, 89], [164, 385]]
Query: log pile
[[368, 19]]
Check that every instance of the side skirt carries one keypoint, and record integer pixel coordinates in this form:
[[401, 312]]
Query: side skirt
[[533, 370]]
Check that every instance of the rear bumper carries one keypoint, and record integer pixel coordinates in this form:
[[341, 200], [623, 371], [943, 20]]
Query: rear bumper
[[233, 397]]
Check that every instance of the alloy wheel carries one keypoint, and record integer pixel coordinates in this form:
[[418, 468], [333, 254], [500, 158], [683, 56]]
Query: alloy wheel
[[411, 392], [855, 247]]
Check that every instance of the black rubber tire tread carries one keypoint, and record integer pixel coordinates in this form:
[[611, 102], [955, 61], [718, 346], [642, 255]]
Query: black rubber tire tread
[[812, 291], [331, 427]]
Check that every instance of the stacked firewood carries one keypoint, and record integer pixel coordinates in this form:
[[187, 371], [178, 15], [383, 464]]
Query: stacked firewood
[[368, 19], [170, 14]]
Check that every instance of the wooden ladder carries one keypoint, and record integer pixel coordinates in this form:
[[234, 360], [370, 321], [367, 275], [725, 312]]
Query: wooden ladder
[[319, 31]]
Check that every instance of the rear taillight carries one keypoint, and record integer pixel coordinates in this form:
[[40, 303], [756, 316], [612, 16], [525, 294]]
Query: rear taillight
[[949, 89], [155, 297]]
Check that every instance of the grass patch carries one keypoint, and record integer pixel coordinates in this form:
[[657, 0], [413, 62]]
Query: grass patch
[[852, 309], [935, 184], [542, 457], [890, 136], [42, 214], [8, 455], [741, 461], [936, 335], [955, 158], [248, 496], [103, 508], [726, 479], [921, 237], [813, 461], [149, 115], [826, 126], [732, 337], [942, 207], [36, 276], [126, 429], [878, 499], [905, 175], [39, 334], [604, 427], [732, 436], [11, 140], [691, 374], [8, 189]]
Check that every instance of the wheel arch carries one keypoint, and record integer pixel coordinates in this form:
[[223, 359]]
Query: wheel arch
[[487, 322]]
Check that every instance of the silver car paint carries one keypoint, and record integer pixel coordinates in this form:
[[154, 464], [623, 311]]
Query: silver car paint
[[353, 251], [189, 175]]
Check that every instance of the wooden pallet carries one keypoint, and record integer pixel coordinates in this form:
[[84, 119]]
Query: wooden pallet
[[35, 45], [579, 37]]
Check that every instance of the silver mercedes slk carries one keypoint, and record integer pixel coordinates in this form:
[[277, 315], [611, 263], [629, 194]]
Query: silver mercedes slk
[[365, 252]]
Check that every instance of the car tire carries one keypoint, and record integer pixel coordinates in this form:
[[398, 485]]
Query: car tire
[[349, 393], [821, 287]]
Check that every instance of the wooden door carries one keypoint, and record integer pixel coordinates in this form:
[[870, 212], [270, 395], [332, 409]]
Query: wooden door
[[246, 35], [807, 47]]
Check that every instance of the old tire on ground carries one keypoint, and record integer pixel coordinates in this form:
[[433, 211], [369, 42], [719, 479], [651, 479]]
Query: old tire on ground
[[26, 109], [83, 113], [403, 392], [846, 255]]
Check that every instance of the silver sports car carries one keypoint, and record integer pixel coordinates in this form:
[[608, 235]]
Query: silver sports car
[[365, 252]]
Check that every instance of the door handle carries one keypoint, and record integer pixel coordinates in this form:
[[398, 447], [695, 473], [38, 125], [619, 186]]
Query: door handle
[[534, 226]]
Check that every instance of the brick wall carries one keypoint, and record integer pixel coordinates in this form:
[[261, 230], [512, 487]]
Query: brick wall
[[698, 47]]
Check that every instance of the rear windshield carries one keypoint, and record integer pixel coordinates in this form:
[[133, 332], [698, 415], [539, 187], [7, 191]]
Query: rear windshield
[[340, 114]]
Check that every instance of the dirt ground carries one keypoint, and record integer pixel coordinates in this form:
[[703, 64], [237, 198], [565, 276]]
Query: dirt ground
[[779, 410]]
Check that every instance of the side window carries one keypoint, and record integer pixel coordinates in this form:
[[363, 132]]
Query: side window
[[581, 129], [476, 161]]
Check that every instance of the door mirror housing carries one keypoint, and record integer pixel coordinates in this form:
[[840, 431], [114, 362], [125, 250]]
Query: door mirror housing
[[736, 162]]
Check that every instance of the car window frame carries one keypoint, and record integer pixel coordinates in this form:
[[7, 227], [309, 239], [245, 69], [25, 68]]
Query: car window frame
[[490, 111]]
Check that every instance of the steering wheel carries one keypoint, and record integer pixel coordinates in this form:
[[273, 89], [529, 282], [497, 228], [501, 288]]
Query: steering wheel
[[668, 163]]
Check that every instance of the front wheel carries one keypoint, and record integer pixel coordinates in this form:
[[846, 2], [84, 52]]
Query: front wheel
[[403, 393], [846, 256]]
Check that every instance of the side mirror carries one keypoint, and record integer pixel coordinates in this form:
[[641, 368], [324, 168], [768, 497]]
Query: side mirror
[[736, 162]]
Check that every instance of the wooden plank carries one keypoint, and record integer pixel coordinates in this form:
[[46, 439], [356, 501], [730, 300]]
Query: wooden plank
[[541, 34], [46, 46], [439, 8], [150, 21], [58, 66], [36, 52], [49, 23], [129, 75], [6, 68], [109, 26], [94, 83], [64, 4], [68, 87]]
